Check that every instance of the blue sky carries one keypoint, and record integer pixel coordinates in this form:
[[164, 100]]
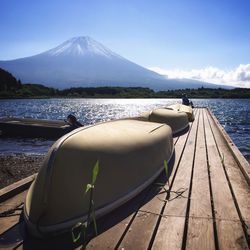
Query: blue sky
[[169, 36]]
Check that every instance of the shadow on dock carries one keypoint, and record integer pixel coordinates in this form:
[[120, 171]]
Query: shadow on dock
[[182, 132]]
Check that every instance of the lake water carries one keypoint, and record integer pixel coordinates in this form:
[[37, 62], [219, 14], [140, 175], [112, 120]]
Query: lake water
[[234, 115]]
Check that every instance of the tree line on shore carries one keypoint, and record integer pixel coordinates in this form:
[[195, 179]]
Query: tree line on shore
[[10, 87]]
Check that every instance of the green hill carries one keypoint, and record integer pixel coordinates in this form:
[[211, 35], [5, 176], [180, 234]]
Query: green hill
[[8, 82]]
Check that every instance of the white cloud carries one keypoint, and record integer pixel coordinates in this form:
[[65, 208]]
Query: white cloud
[[239, 76]]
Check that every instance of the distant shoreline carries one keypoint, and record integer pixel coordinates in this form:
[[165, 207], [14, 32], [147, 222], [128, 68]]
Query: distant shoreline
[[37, 91], [61, 97]]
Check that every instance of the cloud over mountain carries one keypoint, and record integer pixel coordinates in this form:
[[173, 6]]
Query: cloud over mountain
[[239, 76]]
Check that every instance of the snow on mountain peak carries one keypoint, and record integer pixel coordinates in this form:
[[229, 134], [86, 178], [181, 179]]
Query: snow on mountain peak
[[79, 46]]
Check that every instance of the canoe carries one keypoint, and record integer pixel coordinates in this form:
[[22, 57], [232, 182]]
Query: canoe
[[178, 121], [33, 128], [131, 155], [183, 108]]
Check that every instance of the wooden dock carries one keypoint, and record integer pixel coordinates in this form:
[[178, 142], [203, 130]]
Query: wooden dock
[[205, 203]]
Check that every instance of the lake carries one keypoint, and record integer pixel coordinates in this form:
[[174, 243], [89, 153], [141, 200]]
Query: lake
[[233, 114]]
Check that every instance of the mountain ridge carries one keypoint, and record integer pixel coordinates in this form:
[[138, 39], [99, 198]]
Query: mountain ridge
[[84, 62]]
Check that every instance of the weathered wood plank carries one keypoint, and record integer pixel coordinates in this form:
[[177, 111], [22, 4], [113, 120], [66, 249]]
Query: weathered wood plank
[[200, 234], [177, 205], [13, 202], [222, 196], [109, 237], [16, 188], [239, 184], [231, 235], [234, 151], [200, 225], [225, 209], [200, 196], [169, 236]]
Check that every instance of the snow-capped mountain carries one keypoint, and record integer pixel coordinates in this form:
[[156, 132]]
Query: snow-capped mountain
[[81, 46], [81, 62]]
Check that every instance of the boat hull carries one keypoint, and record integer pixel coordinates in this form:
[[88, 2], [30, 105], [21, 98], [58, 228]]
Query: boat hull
[[178, 121], [33, 128], [131, 154], [183, 108]]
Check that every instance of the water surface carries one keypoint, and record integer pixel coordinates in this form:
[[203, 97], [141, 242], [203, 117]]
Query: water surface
[[234, 115]]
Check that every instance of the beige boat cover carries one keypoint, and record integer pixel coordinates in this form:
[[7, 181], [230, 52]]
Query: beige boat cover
[[131, 155], [183, 108], [178, 121]]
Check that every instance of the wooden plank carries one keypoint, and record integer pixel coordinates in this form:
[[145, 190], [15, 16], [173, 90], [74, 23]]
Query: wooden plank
[[239, 158], [200, 234], [176, 206], [15, 188], [169, 238], [9, 221], [13, 201], [222, 196], [109, 237], [200, 196], [225, 209], [230, 235], [200, 225], [238, 182]]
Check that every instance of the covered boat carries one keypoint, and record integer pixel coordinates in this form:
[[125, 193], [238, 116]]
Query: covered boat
[[27, 127], [183, 108], [177, 120], [131, 155]]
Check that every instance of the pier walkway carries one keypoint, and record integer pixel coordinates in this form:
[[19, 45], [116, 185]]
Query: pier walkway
[[204, 204]]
